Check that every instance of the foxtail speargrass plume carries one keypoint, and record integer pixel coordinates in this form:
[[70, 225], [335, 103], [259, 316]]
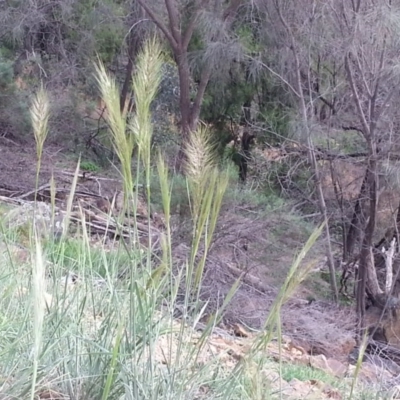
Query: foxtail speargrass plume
[[122, 141], [199, 166], [145, 85], [40, 112], [207, 187], [200, 152]]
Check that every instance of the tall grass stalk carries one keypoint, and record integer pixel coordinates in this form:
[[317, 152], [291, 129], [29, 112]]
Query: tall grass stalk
[[206, 188], [70, 200], [39, 306], [360, 358], [53, 193], [123, 142], [166, 204], [40, 112], [145, 83], [143, 299]]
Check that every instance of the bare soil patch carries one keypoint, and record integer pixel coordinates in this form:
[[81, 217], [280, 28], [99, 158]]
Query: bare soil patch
[[18, 170], [246, 247]]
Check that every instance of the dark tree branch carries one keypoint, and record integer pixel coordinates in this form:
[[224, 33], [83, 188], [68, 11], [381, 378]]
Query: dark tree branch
[[187, 36], [159, 23], [327, 102], [204, 79], [231, 10], [356, 95], [174, 21], [353, 128]]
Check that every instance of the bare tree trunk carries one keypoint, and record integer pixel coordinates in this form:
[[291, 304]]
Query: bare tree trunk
[[355, 229], [372, 287], [179, 40], [184, 105], [365, 255], [184, 93], [388, 254], [368, 118], [397, 226], [132, 51], [135, 39]]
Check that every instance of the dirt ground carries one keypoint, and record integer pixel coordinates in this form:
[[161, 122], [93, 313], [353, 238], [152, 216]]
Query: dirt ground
[[245, 245], [18, 170]]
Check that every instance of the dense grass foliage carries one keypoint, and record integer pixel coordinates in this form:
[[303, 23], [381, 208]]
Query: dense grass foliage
[[98, 322]]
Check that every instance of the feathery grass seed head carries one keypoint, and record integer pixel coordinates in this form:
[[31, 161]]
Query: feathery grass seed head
[[200, 155], [40, 111], [145, 84]]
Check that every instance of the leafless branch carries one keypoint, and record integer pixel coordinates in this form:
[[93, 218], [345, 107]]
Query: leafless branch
[[157, 20]]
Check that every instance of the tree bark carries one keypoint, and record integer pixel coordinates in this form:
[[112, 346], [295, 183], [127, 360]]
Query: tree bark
[[365, 255], [355, 230], [132, 51], [179, 40], [135, 39]]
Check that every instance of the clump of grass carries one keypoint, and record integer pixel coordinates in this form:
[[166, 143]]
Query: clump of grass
[[119, 338], [306, 373], [89, 166], [206, 188], [145, 301], [123, 142]]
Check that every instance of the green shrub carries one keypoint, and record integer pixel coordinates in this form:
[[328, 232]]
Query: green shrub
[[6, 74], [306, 373], [89, 166]]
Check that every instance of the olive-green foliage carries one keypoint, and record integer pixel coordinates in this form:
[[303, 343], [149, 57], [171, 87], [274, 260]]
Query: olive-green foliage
[[14, 116], [57, 42], [71, 255], [274, 120], [6, 73], [89, 166], [306, 373], [74, 29], [245, 87], [102, 21], [225, 100]]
